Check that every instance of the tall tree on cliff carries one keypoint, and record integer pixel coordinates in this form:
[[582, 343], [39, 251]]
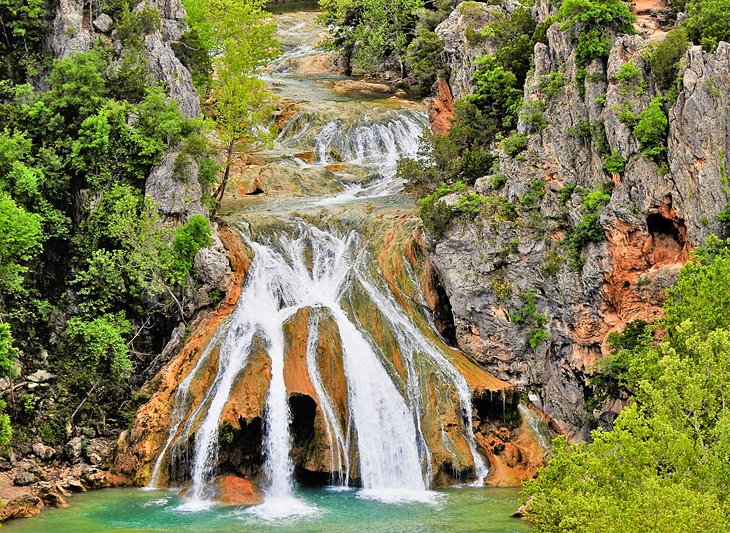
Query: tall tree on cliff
[[242, 42]]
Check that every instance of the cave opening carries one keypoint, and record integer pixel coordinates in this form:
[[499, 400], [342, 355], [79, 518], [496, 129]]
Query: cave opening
[[667, 239], [303, 409], [255, 192], [241, 449]]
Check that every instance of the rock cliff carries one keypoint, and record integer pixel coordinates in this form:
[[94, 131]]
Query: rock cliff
[[656, 213]]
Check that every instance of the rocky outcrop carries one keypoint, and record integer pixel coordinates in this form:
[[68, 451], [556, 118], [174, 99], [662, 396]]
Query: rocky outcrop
[[173, 185], [655, 215], [73, 31], [70, 31], [463, 44]]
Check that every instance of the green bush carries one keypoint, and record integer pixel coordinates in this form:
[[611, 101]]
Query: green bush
[[496, 91], [552, 83], [708, 22], [528, 315], [514, 144], [613, 163], [425, 59], [665, 57], [651, 130]]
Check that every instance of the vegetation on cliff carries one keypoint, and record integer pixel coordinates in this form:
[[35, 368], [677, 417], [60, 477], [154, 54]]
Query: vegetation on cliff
[[666, 461]]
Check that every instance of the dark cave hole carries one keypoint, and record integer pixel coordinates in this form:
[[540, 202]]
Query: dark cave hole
[[256, 191], [303, 410], [667, 240]]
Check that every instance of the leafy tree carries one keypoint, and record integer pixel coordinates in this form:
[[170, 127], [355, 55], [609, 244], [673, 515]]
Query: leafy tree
[[23, 25], [667, 455], [372, 31], [242, 41], [708, 22], [665, 58], [425, 59], [20, 241]]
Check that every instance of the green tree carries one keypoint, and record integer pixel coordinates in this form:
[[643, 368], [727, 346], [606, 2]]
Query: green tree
[[665, 462], [243, 42], [708, 22]]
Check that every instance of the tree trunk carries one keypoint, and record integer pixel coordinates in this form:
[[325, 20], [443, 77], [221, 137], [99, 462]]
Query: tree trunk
[[221, 190]]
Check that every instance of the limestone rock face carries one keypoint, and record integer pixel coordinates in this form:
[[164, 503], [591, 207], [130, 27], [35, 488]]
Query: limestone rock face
[[462, 46], [174, 186], [699, 129], [68, 35], [652, 220]]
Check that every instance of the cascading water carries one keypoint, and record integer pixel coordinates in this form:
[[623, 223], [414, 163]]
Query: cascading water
[[383, 442]]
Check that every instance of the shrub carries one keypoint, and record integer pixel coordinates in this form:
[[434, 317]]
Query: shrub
[[496, 91], [514, 144], [498, 181], [708, 22], [613, 163], [651, 130], [425, 59], [629, 75], [665, 58], [530, 316], [552, 83]]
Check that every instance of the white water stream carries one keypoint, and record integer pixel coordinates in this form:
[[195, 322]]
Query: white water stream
[[304, 266]]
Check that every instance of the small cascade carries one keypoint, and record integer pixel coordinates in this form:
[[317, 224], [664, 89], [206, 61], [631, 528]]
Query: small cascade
[[180, 405]]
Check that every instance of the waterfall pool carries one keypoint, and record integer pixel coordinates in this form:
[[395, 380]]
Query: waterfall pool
[[463, 509]]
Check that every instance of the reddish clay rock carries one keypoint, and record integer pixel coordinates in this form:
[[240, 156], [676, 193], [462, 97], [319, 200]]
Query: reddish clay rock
[[441, 110], [235, 490], [138, 448]]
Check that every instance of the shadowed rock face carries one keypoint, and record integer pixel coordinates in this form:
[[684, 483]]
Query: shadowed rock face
[[653, 219]]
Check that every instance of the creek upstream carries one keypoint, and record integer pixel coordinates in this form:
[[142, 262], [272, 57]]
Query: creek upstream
[[329, 372]]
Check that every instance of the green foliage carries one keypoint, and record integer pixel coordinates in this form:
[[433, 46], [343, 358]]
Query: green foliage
[[381, 30], [667, 453], [511, 37], [614, 163], [592, 22], [567, 192], [23, 24], [588, 229], [514, 144], [651, 130], [529, 316], [20, 241], [665, 57], [631, 79], [99, 346], [552, 83], [496, 92], [80, 149], [498, 181], [708, 22], [533, 114], [535, 192], [425, 59]]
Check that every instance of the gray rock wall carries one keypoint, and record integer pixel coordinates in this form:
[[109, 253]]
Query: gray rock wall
[[654, 217]]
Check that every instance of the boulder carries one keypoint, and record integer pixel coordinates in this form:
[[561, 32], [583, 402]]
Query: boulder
[[23, 507], [236, 490], [24, 478], [175, 187], [43, 452], [103, 23], [74, 449]]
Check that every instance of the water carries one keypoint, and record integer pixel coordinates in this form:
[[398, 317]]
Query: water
[[316, 251], [463, 510]]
